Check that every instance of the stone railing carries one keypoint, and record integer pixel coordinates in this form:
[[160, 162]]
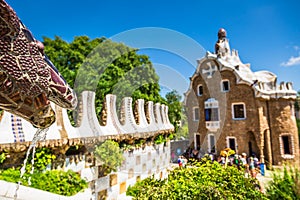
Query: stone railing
[[17, 133]]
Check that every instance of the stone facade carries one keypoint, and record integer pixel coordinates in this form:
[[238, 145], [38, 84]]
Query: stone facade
[[228, 105]]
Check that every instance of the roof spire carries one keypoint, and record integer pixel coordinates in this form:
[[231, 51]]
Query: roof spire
[[222, 45]]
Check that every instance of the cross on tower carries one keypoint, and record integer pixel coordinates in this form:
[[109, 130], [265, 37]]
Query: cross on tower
[[210, 71]]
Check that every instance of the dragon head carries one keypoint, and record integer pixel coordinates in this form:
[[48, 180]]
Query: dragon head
[[28, 79]]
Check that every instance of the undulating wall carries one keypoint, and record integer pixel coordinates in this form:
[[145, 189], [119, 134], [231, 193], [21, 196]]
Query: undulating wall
[[146, 122], [18, 133]]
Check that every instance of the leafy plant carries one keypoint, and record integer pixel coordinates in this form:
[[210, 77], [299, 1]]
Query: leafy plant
[[159, 139], [55, 181], [2, 157], [139, 143], [170, 136], [110, 156], [10, 175], [208, 180], [43, 157], [126, 147], [285, 186]]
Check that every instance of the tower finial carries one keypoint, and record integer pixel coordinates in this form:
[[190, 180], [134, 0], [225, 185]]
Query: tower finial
[[222, 33], [222, 46]]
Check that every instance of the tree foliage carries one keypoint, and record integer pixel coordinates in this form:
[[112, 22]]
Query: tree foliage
[[105, 67], [175, 108], [110, 156]]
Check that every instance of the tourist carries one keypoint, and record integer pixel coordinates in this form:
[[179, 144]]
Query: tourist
[[256, 161], [245, 164], [195, 154], [222, 160], [244, 159], [179, 161], [252, 168], [183, 161], [236, 161]]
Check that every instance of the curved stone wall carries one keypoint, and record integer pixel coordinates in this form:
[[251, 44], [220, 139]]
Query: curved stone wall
[[17, 130]]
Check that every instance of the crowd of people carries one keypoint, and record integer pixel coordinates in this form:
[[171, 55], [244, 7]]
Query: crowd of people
[[250, 164]]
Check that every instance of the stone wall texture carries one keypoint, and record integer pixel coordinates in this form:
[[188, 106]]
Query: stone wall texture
[[269, 129]]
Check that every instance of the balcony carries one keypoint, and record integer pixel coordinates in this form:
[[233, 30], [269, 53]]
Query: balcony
[[212, 125]]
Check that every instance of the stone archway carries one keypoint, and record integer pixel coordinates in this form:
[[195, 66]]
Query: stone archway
[[252, 145]]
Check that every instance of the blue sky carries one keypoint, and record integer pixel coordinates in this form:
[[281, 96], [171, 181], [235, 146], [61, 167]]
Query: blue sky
[[266, 33]]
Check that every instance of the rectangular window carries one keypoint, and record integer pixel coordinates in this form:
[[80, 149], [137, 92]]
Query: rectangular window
[[232, 143], [200, 90], [286, 145], [196, 114], [212, 147], [197, 142], [225, 85], [239, 111], [212, 114]]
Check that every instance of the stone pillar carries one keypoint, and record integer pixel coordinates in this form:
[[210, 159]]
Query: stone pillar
[[267, 142]]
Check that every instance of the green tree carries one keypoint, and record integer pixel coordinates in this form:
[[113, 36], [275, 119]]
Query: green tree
[[175, 108], [105, 67], [110, 156], [68, 57], [183, 130]]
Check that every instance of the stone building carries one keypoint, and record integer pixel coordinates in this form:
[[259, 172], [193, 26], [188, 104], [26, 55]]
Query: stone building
[[229, 105]]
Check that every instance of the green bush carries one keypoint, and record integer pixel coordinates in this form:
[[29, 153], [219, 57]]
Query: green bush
[[205, 181], [285, 186], [55, 181], [10, 175], [110, 156], [43, 157]]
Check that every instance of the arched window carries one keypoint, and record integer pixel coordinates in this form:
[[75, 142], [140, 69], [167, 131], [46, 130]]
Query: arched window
[[196, 114], [225, 86], [199, 90]]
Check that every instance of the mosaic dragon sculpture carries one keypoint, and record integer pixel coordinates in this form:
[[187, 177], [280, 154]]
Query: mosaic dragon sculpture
[[28, 79]]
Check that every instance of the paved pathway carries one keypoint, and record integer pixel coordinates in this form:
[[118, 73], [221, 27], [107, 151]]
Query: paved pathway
[[264, 180]]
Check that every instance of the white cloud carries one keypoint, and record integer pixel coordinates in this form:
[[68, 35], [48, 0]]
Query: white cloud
[[291, 62]]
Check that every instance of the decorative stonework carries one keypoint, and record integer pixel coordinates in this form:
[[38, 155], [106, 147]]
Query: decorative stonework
[[17, 129], [210, 71], [90, 130]]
